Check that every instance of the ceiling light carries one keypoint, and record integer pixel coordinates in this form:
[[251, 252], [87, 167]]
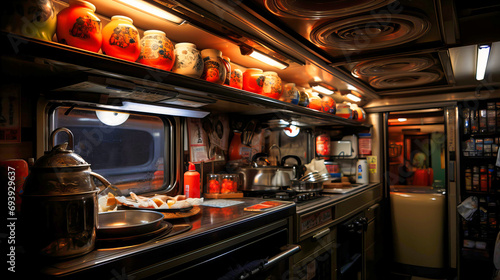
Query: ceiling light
[[483, 52], [150, 9], [322, 89], [353, 97], [262, 57], [402, 119]]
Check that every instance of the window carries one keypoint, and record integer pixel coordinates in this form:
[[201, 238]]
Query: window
[[129, 150]]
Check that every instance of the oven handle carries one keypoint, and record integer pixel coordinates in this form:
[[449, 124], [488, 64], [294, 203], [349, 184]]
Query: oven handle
[[289, 250], [321, 234]]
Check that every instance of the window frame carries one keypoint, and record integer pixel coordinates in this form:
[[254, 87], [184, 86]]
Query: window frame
[[172, 140]]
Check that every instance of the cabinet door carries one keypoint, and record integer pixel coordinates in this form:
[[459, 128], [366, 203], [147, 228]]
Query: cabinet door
[[370, 246]]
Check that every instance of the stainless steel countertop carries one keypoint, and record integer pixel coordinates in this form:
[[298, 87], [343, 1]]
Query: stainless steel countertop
[[208, 227]]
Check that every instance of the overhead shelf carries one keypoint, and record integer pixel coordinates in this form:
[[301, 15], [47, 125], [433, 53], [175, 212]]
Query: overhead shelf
[[75, 74]]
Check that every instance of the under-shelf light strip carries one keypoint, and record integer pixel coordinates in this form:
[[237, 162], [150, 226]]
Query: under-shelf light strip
[[483, 53], [150, 9], [268, 60], [353, 97]]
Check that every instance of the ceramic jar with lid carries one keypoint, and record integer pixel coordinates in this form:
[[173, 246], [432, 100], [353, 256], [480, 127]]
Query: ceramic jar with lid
[[156, 50], [227, 64], [78, 26], [121, 39], [290, 92], [213, 70], [188, 60], [31, 18], [253, 80], [236, 79], [272, 85]]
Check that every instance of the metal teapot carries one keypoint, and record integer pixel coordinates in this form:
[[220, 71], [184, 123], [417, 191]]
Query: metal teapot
[[60, 202]]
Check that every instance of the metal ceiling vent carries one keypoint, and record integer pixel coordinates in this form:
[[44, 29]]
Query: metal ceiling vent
[[389, 66], [369, 32], [317, 9], [406, 79]]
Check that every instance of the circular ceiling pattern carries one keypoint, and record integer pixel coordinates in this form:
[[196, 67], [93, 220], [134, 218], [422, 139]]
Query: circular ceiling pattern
[[389, 66], [405, 80], [316, 9], [370, 32]]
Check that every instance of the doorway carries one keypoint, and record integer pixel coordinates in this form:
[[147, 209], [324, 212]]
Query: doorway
[[416, 154]]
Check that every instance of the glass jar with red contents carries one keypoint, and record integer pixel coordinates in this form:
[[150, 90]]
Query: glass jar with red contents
[[323, 145], [213, 183], [229, 183]]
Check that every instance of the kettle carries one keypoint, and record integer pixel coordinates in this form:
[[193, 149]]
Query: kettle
[[60, 202]]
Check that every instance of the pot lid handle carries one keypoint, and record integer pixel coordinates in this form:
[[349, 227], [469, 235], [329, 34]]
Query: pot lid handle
[[70, 137]]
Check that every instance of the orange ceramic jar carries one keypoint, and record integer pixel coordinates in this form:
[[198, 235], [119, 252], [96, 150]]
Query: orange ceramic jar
[[78, 26], [214, 70], [236, 80], [157, 50], [226, 60], [272, 85], [121, 39], [253, 80], [328, 104]]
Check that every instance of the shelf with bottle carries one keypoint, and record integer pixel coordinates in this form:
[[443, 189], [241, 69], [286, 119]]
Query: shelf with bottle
[[481, 120], [482, 179]]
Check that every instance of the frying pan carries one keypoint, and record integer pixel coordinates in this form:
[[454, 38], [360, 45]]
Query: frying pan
[[128, 222]]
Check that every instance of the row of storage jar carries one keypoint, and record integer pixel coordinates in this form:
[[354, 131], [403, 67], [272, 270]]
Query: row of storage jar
[[78, 26]]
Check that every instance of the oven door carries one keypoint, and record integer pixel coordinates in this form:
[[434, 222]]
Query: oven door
[[263, 257], [349, 250], [317, 258]]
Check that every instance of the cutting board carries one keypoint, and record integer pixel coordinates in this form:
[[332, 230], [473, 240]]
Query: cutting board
[[336, 185]]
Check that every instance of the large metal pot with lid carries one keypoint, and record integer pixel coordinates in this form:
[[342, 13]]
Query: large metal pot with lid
[[60, 203]]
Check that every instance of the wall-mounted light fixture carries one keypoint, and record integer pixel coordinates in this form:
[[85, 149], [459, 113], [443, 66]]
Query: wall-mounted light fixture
[[245, 50], [112, 118], [483, 52], [156, 109], [322, 87], [351, 95], [152, 10]]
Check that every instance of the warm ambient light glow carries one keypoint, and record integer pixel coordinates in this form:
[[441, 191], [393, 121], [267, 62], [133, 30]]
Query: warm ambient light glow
[[322, 89], [482, 60], [353, 97], [268, 60], [402, 119], [112, 118], [150, 9]]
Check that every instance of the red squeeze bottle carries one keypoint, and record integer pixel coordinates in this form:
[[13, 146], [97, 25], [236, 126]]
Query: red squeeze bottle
[[192, 182]]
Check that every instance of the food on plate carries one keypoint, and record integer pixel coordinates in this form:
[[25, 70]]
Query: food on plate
[[158, 201], [107, 203]]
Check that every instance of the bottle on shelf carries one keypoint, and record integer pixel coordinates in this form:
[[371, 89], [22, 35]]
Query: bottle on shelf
[[483, 177], [468, 179], [491, 114], [474, 122], [466, 116], [483, 121], [475, 179]]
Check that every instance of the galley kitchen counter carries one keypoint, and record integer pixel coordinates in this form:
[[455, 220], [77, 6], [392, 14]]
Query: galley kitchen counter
[[212, 229]]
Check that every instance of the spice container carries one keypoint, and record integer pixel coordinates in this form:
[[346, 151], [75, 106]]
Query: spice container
[[323, 145], [229, 183], [475, 178], [365, 144], [483, 121], [213, 183], [483, 177]]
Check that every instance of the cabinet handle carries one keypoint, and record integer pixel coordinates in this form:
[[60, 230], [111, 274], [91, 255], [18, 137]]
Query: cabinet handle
[[373, 207], [321, 233]]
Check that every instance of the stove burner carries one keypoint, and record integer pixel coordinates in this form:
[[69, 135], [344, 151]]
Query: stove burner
[[286, 195]]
